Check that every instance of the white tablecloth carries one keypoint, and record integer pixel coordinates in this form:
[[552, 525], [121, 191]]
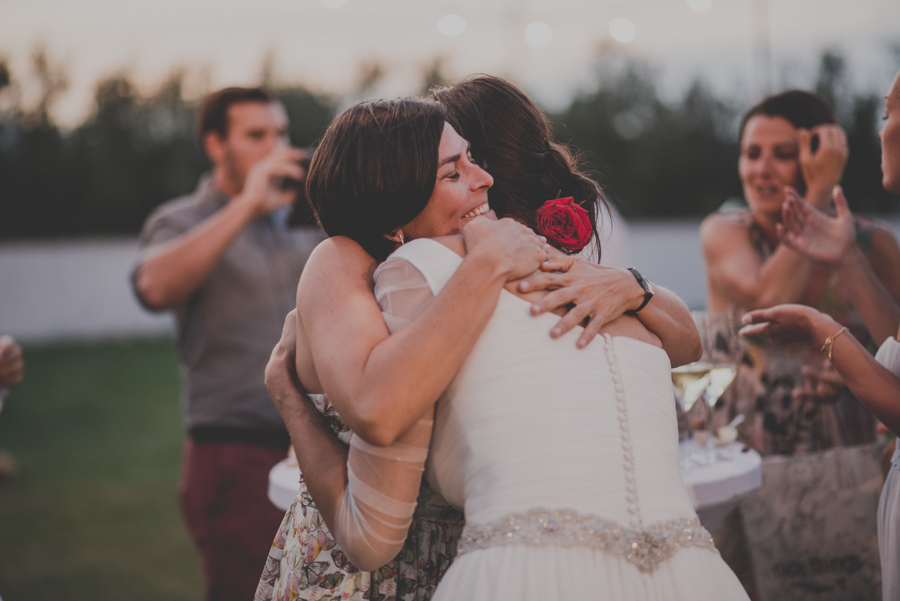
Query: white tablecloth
[[716, 489], [284, 484]]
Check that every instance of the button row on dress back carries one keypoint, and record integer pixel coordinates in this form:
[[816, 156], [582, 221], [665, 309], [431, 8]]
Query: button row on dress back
[[631, 496]]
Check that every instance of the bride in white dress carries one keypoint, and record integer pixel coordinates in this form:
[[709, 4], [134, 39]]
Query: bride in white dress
[[564, 460]]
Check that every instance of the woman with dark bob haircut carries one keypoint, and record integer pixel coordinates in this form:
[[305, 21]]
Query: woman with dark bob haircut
[[304, 556]]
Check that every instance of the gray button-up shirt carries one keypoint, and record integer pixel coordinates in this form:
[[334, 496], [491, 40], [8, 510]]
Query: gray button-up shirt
[[227, 328]]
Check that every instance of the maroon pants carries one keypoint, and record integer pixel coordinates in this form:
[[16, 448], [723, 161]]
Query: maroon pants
[[228, 514]]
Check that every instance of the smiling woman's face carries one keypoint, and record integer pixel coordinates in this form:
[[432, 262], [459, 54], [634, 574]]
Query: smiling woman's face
[[460, 192], [769, 162]]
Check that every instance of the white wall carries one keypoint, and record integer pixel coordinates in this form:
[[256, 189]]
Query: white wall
[[72, 289], [80, 289]]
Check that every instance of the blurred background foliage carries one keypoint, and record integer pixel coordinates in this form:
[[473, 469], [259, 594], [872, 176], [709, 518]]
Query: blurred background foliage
[[656, 158]]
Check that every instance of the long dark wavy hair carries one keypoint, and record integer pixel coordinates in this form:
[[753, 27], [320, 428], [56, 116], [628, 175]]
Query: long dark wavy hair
[[511, 138]]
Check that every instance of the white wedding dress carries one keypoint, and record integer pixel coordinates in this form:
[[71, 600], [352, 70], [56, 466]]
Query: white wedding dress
[[889, 503], [565, 460]]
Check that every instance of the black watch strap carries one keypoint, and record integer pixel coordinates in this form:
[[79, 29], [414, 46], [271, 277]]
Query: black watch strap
[[648, 290]]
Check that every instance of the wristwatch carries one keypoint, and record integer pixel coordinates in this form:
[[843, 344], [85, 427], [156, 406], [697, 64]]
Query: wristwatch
[[648, 290]]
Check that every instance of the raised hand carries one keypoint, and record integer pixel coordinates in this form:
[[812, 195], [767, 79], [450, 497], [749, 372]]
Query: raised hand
[[815, 234], [261, 189], [517, 249], [824, 168], [783, 323]]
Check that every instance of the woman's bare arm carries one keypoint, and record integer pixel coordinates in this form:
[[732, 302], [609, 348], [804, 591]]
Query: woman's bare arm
[[735, 273], [872, 283], [366, 495], [602, 294], [321, 454], [382, 385], [870, 382]]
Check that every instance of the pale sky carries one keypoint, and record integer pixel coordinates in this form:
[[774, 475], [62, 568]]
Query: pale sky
[[224, 42]]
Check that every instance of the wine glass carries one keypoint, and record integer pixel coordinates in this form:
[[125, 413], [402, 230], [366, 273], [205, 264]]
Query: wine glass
[[691, 381], [720, 348]]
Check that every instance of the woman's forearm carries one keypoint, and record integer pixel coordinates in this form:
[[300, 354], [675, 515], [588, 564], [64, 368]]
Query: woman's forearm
[[383, 384], [386, 478], [871, 383], [782, 278], [736, 274], [365, 495], [670, 320], [875, 386], [321, 455], [407, 373], [599, 294], [879, 312]]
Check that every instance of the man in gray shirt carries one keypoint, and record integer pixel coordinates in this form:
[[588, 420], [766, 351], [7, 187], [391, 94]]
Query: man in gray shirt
[[224, 260]]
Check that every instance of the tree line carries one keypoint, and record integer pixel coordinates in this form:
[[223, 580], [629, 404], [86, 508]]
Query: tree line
[[136, 150]]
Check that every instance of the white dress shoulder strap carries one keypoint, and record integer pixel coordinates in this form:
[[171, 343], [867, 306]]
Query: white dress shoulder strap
[[889, 355], [436, 262]]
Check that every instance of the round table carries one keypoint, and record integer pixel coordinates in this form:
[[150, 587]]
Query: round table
[[718, 488], [714, 489]]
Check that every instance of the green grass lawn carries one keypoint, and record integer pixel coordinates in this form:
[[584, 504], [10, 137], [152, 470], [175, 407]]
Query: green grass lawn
[[96, 430]]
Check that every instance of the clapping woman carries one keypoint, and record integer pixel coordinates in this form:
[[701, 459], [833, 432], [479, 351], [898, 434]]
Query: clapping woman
[[875, 382], [790, 141]]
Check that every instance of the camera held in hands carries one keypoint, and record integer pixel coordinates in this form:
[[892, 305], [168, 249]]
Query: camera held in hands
[[301, 213]]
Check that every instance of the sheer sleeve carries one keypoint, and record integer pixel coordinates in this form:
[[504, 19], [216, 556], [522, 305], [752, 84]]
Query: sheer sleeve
[[373, 518]]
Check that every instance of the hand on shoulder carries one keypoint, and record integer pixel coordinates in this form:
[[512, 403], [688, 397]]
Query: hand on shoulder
[[514, 248]]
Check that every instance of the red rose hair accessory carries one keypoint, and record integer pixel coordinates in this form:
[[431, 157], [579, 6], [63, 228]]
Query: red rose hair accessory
[[565, 224]]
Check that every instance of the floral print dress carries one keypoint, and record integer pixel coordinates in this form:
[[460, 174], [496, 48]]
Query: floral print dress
[[777, 420], [306, 563]]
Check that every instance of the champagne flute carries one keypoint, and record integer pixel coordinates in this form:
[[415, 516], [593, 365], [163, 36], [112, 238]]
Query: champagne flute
[[691, 381], [721, 348]]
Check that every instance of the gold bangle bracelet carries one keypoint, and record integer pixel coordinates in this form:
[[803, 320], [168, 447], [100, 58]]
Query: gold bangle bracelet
[[829, 343]]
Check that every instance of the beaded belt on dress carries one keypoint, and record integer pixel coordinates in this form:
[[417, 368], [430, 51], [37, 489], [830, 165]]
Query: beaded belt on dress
[[646, 548]]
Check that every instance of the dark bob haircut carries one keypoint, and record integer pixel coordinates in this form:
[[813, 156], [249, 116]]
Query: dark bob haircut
[[802, 109], [511, 138], [213, 113], [375, 170]]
